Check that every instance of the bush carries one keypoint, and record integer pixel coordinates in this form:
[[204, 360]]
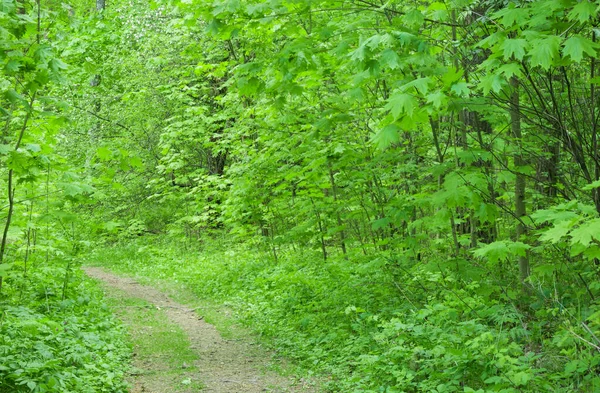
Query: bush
[[51, 344]]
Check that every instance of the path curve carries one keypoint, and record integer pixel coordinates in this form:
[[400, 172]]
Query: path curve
[[224, 366]]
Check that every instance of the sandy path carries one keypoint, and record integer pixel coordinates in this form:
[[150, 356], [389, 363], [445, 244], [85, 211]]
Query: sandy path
[[223, 366]]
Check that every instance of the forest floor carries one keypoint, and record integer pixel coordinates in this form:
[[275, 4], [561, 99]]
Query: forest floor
[[175, 350]]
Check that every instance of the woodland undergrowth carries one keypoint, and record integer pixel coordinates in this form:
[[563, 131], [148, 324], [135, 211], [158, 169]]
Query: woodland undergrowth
[[58, 336], [372, 326]]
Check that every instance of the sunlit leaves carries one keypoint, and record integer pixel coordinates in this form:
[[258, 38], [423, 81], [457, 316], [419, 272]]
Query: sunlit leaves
[[369, 126], [401, 104], [512, 15], [544, 51], [104, 153], [390, 59], [12, 66], [461, 89], [492, 83], [573, 223], [418, 85], [438, 99], [225, 6], [586, 232], [583, 11], [556, 233], [508, 71], [387, 136], [501, 250], [576, 46], [413, 17], [438, 11], [8, 6], [514, 48], [592, 185]]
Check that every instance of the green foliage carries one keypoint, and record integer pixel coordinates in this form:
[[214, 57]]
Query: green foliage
[[381, 325], [56, 334], [421, 179], [51, 344]]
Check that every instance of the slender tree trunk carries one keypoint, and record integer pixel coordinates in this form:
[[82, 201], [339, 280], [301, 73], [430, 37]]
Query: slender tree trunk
[[11, 189], [337, 212], [519, 162], [28, 237], [595, 153], [321, 231]]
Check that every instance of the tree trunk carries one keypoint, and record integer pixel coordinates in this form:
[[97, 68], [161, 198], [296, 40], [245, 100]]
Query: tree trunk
[[519, 162], [340, 223]]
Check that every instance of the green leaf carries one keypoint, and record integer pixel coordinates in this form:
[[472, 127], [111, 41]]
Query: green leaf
[[576, 46], [33, 147], [359, 54], [555, 215], [437, 99], [104, 153], [560, 230], [494, 380], [387, 136], [501, 250], [75, 189], [414, 17], [43, 54], [136, 162], [57, 65], [509, 70], [582, 12], [14, 97], [544, 51], [401, 103], [111, 226], [421, 85], [521, 378], [512, 15], [571, 366], [461, 89], [586, 233], [12, 66], [487, 212], [381, 223], [492, 82], [592, 252], [5, 149], [5, 269], [389, 58], [592, 185], [514, 47]]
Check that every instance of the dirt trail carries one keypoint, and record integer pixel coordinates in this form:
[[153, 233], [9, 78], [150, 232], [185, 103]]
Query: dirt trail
[[224, 366]]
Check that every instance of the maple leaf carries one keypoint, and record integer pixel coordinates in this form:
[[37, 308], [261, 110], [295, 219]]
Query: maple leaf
[[401, 103], [576, 46]]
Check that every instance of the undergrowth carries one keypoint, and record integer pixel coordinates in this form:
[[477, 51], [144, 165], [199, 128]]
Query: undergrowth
[[57, 337], [370, 326]]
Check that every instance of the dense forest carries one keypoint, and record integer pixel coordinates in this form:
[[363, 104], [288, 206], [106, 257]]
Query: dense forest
[[399, 196]]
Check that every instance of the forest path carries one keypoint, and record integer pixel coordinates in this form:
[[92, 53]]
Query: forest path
[[215, 364]]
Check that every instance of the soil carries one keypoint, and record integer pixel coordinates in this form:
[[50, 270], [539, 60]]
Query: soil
[[223, 366]]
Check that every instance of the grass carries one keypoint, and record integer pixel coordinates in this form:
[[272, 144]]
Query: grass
[[163, 346]]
